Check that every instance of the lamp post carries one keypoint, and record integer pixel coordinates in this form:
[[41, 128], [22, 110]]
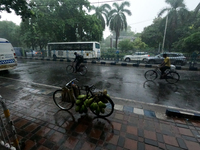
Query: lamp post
[[164, 34]]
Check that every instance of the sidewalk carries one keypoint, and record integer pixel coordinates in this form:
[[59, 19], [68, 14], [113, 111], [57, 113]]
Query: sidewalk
[[42, 126]]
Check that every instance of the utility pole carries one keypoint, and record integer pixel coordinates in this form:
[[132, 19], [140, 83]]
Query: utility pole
[[164, 34], [159, 48]]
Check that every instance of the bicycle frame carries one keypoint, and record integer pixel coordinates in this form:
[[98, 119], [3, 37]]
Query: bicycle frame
[[79, 66], [158, 71], [98, 102]]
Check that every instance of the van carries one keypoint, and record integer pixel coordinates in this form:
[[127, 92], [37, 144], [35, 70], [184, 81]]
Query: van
[[8, 59]]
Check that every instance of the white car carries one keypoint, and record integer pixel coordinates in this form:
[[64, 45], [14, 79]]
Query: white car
[[141, 56]]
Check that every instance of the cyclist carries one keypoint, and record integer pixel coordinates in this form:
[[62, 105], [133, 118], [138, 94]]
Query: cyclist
[[78, 59], [164, 66]]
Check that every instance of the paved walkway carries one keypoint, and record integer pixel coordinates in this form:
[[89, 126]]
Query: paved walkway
[[42, 126]]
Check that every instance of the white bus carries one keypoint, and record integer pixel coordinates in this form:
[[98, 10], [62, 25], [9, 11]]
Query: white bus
[[88, 50], [8, 59]]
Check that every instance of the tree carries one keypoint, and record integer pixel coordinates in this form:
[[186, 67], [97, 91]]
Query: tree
[[188, 34], [152, 35], [176, 13], [139, 44], [117, 18], [125, 45], [127, 32], [10, 31], [21, 7], [102, 13]]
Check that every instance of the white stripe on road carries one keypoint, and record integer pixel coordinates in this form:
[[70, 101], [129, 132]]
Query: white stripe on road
[[117, 107], [50, 86]]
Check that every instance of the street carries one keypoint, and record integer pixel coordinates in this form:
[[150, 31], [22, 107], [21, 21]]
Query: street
[[124, 84]]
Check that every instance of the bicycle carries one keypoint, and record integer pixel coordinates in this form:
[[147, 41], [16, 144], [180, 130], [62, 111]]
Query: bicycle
[[82, 69], [98, 102], [171, 76]]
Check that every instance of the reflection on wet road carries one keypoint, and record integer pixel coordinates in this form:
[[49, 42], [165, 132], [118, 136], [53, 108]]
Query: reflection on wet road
[[122, 82]]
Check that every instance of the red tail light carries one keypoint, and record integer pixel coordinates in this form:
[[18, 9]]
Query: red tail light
[[148, 55], [15, 56]]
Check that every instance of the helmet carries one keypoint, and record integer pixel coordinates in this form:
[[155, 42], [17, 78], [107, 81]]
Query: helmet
[[75, 53]]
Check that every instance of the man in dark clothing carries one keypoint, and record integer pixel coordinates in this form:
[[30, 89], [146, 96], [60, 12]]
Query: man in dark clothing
[[78, 59]]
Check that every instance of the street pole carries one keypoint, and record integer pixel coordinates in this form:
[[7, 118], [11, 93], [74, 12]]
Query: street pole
[[164, 34], [159, 48]]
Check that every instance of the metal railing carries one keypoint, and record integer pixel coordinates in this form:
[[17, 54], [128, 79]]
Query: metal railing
[[6, 126]]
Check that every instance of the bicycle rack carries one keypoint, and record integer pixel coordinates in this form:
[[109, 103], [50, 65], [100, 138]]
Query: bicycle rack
[[7, 142]]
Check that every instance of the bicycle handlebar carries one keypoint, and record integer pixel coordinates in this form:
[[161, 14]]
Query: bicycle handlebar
[[71, 82]]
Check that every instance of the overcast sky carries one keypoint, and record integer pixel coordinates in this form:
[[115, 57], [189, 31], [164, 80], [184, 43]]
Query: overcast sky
[[143, 12]]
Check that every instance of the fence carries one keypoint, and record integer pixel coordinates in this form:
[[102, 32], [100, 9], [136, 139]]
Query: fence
[[8, 136]]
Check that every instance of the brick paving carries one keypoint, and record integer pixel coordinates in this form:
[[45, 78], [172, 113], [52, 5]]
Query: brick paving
[[42, 126]]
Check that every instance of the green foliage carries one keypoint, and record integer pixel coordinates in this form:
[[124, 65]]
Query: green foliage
[[21, 7], [125, 45], [152, 34], [117, 18], [101, 13], [138, 44], [10, 31], [60, 21], [190, 43]]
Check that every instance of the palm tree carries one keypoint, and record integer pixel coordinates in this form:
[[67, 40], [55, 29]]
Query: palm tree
[[174, 12], [117, 18], [177, 14], [102, 12]]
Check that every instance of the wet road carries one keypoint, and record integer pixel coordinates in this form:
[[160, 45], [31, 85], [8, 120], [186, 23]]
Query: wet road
[[124, 84]]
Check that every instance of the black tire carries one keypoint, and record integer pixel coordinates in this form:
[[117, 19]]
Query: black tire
[[62, 104], [108, 110], [172, 77], [127, 59], [151, 75], [83, 70], [70, 69], [151, 61]]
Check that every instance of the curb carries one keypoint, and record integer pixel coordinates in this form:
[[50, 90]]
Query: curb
[[182, 114], [112, 63]]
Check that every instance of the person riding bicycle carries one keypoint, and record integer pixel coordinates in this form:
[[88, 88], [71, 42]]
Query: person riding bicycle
[[164, 66], [78, 59]]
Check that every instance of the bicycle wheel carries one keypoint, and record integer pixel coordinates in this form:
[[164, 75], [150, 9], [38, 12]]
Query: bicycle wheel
[[63, 102], [151, 75], [70, 69], [108, 110], [172, 77], [83, 70]]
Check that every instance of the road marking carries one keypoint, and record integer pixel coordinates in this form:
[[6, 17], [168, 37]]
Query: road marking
[[123, 99], [50, 86], [152, 104], [138, 111]]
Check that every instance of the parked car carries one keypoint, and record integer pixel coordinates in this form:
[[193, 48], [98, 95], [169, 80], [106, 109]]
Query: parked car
[[34, 54], [175, 58], [136, 56]]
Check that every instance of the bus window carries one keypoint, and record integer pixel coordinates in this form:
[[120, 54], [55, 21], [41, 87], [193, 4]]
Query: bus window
[[77, 47], [86, 46], [97, 46]]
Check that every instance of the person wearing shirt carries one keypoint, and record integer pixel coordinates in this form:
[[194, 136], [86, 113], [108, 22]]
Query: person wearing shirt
[[164, 65]]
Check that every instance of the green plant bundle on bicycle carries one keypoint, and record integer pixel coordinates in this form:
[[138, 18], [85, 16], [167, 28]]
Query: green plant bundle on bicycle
[[98, 102]]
